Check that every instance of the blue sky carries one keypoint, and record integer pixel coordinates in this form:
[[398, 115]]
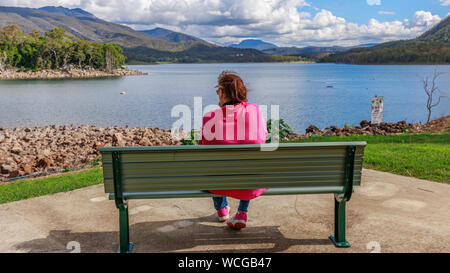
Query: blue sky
[[358, 11], [282, 22]]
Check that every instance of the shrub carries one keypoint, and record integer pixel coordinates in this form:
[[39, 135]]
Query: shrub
[[285, 130]]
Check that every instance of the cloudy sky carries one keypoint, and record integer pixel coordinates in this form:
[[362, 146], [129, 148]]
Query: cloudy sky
[[283, 22]]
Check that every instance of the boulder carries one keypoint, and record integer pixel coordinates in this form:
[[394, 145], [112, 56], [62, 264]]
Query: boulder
[[145, 142], [148, 133], [365, 123], [44, 162], [119, 140], [6, 168], [28, 169], [313, 129], [98, 145], [45, 153], [16, 149], [14, 173]]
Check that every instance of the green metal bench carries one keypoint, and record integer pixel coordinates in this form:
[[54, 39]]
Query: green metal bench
[[189, 171]]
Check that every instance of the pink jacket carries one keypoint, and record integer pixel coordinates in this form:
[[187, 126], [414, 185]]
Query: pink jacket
[[231, 125]]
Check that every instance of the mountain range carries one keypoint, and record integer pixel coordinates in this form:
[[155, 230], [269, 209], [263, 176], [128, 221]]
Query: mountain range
[[311, 51], [69, 12], [253, 43], [170, 36], [83, 25], [308, 51], [138, 46], [163, 45]]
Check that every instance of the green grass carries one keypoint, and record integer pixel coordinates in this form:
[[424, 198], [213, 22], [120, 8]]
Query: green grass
[[423, 156], [426, 161], [25, 189], [425, 138]]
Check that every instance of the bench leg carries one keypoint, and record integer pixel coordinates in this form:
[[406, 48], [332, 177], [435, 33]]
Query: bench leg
[[339, 225], [125, 245]]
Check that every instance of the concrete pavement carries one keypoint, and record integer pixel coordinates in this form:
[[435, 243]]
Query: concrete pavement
[[388, 213]]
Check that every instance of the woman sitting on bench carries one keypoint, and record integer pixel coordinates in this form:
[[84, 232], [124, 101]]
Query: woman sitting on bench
[[236, 122]]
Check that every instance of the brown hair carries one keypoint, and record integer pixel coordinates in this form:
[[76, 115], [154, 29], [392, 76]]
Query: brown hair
[[232, 87]]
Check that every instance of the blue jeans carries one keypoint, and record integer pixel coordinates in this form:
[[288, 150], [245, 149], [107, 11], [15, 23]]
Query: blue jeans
[[221, 202]]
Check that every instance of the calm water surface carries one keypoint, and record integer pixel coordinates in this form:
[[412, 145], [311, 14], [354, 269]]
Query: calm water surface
[[301, 91]]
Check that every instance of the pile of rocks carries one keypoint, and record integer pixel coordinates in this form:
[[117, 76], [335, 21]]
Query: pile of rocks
[[56, 148], [365, 128], [12, 74], [435, 126]]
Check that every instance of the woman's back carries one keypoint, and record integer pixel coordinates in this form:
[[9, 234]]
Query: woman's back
[[234, 124]]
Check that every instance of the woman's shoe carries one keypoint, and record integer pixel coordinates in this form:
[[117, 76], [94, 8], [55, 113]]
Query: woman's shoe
[[239, 221], [224, 214]]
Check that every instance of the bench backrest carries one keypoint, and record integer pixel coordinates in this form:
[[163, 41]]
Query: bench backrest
[[184, 168]]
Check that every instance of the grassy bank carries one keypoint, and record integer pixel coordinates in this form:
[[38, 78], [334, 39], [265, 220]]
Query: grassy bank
[[423, 156], [25, 189]]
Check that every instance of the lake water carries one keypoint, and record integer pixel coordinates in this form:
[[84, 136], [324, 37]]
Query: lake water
[[301, 90]]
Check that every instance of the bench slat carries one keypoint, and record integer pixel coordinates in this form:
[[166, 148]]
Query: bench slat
[[199, 194], [211, 155], [232, 147], [250, 183]]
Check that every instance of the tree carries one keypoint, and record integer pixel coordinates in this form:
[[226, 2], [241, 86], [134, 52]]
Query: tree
[[3, 59], [113, 57], [98, 56], [432, 91], [109, 59], [81, 51], [11, 33], [57, 45]]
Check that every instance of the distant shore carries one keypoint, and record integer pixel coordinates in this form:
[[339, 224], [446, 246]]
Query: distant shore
[[159, 63], [14, 74]]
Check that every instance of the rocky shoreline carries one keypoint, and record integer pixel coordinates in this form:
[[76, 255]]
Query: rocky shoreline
[[365, 128], [29, 151], [47, 149], [12, 74]]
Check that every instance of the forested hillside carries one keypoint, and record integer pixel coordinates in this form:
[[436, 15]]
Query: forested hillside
[[432, 47], [205, 54]]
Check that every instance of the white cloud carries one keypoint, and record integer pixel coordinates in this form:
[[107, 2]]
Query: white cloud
[[373, 2], [445, 2], [282, 22], [425, 19], [383, 12]]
